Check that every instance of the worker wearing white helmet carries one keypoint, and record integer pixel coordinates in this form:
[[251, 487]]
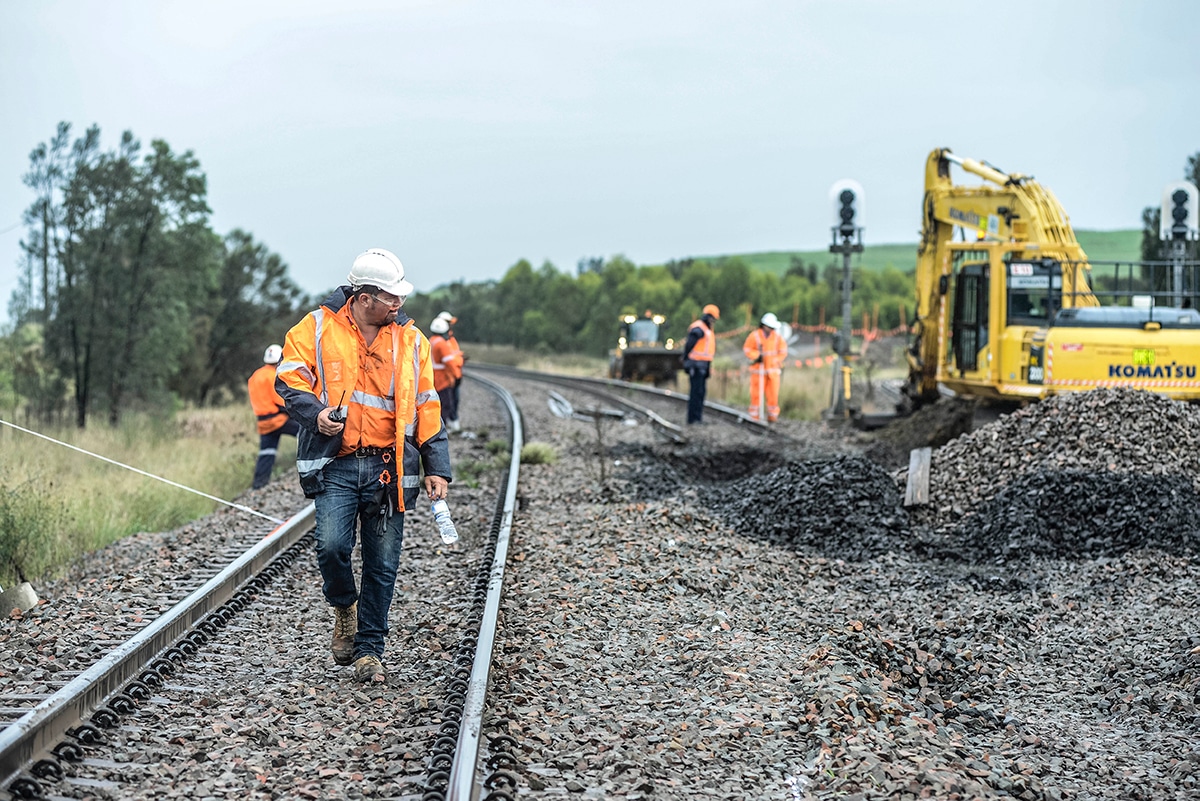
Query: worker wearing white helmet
[[358, 376], [766, 349], [447, 369], [453, 423], [272, 417]]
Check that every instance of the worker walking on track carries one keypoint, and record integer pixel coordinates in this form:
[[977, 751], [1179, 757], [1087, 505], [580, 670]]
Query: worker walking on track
[[358, 376], [273, 420], [447, 370], [698, 352], [766, 349]]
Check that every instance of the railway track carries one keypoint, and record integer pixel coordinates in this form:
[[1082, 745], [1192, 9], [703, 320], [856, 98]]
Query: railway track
[[158, 681], [636, 399]]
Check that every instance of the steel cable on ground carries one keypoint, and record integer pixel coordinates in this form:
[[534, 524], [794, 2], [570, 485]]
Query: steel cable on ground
[[230, 504]]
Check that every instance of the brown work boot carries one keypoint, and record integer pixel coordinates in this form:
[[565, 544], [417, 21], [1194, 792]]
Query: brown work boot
[[369, 668], [345, 626]]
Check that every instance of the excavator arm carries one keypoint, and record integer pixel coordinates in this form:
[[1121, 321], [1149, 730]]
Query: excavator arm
[[1008, 211]]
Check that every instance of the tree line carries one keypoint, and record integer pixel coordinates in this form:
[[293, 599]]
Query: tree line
[[546, 309]]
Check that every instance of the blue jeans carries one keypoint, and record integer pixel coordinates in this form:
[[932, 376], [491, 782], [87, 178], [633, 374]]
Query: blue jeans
[[267, 446], [449, 399], [696, 393], [350, 483]]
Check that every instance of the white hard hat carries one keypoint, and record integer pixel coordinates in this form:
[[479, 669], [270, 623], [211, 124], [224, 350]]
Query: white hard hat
[[770, 320], [445, 315], [380, 268], [440, 325], [272, 354]]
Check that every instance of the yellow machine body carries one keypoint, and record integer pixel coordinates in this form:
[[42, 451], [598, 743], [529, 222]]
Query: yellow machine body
[[1006, 308]]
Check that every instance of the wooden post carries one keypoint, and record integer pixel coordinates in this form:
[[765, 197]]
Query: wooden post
[[916, 490]]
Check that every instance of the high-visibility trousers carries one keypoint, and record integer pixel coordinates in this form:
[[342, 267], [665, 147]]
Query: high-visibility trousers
[[764, 383]]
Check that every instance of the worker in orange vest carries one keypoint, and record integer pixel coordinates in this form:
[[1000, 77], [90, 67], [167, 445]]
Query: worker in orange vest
[[273, 420], [447, 369], [452, 320], [767, 350], [698, 351], [357, 375]]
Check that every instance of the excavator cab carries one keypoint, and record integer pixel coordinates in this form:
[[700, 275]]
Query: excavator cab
[[1033, 292], [994, 344]]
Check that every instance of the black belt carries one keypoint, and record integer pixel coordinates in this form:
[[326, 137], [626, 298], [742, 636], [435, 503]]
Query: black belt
[[368, 450]]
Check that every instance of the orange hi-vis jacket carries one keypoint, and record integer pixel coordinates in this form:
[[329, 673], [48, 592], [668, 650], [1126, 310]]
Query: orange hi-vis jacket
[[447, 361], [268, 406], [706, 347], [771, 346], [387, 387]]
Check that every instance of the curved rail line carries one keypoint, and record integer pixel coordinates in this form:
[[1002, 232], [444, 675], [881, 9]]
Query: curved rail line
[[601, 387], [461, 766], [464, 769]]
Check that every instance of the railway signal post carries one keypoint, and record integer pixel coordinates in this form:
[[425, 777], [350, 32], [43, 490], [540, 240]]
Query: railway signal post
[[847, 196], [1179, 225]]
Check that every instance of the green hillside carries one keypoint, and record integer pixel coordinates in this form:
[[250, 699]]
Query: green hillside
[[1099, 245]]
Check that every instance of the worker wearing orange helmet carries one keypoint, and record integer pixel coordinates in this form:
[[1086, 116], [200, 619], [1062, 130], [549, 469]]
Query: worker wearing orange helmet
[[766, 349], [273, 420], [698, 351]]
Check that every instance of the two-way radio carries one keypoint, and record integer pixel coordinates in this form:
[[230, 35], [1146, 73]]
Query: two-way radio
[[338, 415]]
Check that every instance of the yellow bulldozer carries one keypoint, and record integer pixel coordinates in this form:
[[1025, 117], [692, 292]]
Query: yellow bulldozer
[[1009, 306]]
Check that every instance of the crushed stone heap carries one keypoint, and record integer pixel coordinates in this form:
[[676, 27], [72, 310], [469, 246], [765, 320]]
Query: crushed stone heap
[[1078, 475], [843, 508]]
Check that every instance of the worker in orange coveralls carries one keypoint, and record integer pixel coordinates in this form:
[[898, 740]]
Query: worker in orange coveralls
[[767, 350]]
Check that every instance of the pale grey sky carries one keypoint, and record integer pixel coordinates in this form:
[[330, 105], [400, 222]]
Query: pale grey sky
[[467, 135]]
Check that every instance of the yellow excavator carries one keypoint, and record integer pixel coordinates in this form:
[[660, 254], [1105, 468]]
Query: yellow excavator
[[1009, 306]]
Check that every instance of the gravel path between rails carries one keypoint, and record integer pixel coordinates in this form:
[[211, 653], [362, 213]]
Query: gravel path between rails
[[261, 711]]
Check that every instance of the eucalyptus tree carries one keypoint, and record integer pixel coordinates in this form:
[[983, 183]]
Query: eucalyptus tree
[[251, 305], [125, 254]]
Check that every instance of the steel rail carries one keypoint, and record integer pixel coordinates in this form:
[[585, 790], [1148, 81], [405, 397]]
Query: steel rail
[[464, 769], [585, 384], [34, 734]]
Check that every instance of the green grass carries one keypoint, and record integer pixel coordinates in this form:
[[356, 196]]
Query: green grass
[[56, 502], [1099, 245], [538, 453]]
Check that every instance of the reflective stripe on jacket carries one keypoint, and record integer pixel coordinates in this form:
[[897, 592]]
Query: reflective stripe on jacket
[[706, 347], [321, 361], [447, 362], [771, 346], [265, 401]]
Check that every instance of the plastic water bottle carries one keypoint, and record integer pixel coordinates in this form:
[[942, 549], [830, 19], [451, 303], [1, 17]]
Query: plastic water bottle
[[441, 514]]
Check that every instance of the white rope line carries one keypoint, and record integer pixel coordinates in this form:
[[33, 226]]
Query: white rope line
[[237, 506]]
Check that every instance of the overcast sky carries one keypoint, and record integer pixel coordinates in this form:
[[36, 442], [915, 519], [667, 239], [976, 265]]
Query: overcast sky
[[468, 135]]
